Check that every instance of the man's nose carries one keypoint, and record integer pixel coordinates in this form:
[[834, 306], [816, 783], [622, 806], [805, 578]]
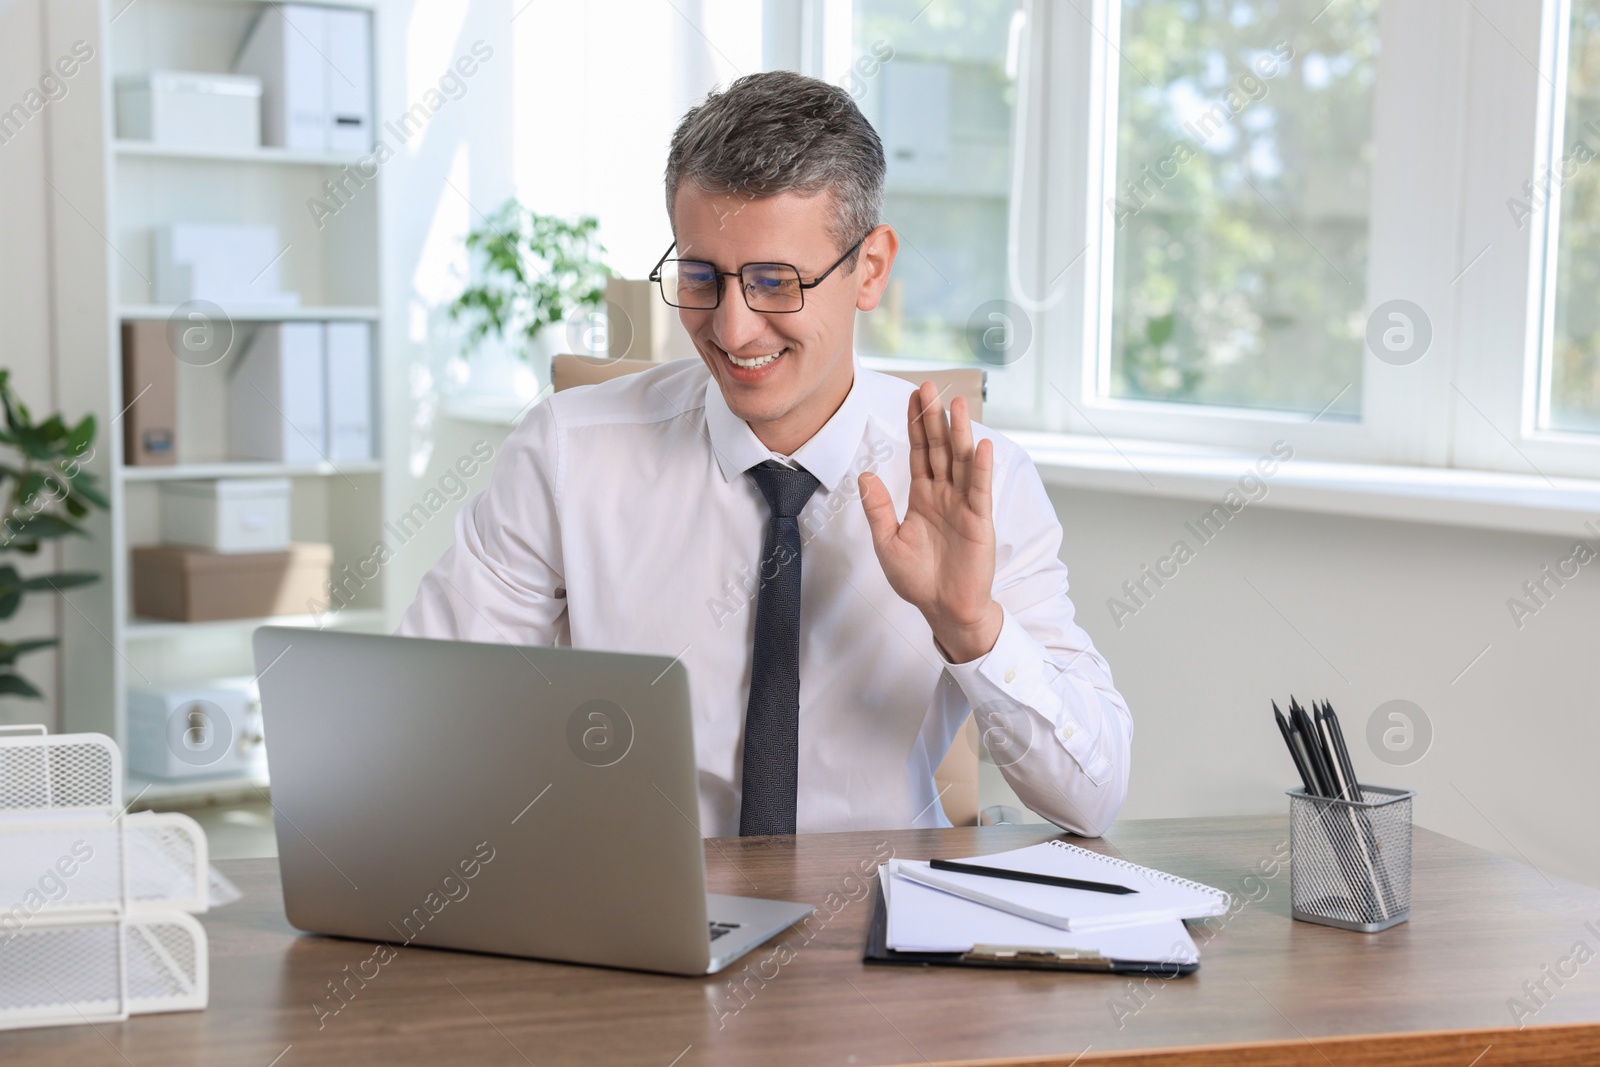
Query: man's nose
[[734, 324]]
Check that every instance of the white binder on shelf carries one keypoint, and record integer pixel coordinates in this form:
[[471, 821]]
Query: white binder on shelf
[[277, 408], [349, 82], [349, 363], [315, 66]]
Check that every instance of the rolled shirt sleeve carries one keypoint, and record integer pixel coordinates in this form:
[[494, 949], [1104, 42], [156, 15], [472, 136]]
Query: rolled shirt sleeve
[[1045, 704]]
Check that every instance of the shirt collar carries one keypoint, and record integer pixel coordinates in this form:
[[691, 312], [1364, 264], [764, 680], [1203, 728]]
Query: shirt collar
[[827, 455]]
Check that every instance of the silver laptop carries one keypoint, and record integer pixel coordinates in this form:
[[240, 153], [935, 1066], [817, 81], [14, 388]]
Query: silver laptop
[[526, 801]]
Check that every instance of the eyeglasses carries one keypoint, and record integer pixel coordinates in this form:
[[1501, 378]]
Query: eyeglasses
[[770, 288]]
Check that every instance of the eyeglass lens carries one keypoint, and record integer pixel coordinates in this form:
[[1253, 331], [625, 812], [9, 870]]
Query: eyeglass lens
[[688, 283]]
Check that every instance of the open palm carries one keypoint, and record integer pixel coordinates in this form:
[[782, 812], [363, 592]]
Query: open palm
[[940, 557]]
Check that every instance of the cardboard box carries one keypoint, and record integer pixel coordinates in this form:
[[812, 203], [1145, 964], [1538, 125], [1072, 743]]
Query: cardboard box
[[189, 108], [150, 395], [228, 515], [193, 585]]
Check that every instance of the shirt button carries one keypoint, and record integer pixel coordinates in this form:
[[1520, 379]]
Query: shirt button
[[1011, 675], [1065, 733]]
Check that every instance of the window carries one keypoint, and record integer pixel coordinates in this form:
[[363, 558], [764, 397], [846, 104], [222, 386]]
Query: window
[[1244, 145], [1569, 397], [1198, 221], [937, 81]]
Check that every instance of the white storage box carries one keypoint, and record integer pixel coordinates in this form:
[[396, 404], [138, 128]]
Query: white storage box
[[197, 731], [177, 108], [226, 264], [277, 406], [227, 514]]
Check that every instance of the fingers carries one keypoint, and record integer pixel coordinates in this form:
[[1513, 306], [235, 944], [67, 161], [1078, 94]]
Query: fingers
[[960, 444], [937, 431], [915, 429], [879, 506], [980, 495]]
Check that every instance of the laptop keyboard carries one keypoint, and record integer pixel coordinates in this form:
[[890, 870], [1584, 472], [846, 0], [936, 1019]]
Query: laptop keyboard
[[718, 929]]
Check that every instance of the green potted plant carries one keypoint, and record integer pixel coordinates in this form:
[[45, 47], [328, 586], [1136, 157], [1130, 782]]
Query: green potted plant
[[48, 495], [535, 271]]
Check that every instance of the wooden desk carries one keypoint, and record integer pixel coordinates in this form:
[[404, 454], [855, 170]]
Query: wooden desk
[[1269, 990]]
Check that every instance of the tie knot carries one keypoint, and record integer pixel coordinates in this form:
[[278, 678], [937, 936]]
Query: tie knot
[[786, 488]]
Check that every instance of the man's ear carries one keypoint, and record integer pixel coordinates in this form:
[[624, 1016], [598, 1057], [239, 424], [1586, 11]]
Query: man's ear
[[872, 266]]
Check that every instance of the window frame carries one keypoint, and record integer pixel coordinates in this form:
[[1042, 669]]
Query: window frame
[[1403, 414], [1506, 342]]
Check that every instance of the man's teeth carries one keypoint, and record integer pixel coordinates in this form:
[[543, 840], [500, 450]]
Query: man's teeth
[[751, 364]]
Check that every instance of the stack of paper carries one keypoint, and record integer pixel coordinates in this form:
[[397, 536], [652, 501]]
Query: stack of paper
[[941, 911]]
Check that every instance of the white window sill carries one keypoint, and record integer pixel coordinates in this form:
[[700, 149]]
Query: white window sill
[[1447, 496], [492, 411]]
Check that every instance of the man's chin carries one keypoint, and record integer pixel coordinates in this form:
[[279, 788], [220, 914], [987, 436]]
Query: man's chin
[[758, 404]]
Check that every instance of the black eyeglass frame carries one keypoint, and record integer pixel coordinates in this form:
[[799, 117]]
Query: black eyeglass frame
[[655, 276]]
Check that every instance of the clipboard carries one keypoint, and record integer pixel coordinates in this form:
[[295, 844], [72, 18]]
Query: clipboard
[[1009, 957]]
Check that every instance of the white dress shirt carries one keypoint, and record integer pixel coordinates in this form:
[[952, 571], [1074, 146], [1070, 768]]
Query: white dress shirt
[[619, 517]]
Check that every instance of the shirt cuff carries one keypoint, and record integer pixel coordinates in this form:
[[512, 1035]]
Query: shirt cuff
[[1016, 675]]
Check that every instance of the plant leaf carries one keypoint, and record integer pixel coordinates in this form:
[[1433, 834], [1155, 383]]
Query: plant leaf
[[16, 685], [45, 527], [9, 651], [81, 435], [59, 581], [85, 485], [1159, 330]]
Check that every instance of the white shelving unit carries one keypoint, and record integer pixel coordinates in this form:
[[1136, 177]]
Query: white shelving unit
[[138, 629], [240, 469], [320, 313], [264, 154], [110, 194], [141, 793]]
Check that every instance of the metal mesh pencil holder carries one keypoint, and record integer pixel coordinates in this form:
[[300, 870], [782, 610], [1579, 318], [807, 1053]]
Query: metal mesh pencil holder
[[1350, 861]]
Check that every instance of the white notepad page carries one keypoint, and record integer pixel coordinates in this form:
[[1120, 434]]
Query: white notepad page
[[924, 919], [1159, 896]]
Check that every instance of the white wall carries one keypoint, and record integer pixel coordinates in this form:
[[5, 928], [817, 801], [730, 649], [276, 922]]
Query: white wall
[[25, 334], [1384, 611], [441, 182], [572, 115]]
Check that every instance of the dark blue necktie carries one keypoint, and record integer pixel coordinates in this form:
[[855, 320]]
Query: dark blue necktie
[[772, 718]]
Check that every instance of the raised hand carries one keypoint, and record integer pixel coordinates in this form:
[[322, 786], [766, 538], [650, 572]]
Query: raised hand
[[940, 557]]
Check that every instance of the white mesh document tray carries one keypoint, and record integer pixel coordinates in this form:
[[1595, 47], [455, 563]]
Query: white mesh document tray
[[93, 902]]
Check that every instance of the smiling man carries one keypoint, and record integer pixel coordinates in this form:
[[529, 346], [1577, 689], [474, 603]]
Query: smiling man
[[845, 571]]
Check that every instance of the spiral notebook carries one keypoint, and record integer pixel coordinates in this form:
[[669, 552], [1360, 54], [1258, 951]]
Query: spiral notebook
[[1157, 896]]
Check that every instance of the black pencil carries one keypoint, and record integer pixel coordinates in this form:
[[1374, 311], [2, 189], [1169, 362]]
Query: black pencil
[[956, 867], [1294, 753]]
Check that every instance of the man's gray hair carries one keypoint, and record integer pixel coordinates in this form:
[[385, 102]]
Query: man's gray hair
[[782, 132]]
